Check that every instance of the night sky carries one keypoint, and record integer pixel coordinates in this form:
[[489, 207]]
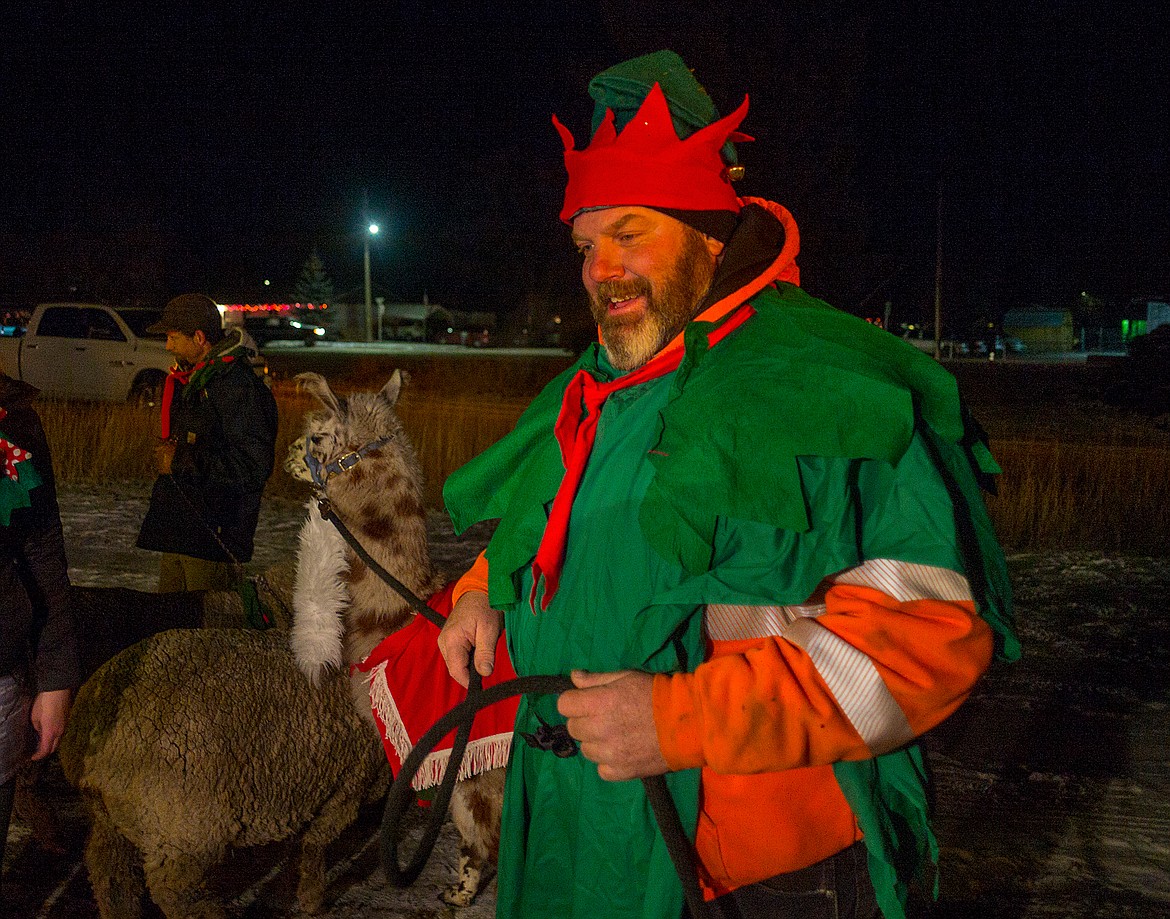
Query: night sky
[[148, 152]]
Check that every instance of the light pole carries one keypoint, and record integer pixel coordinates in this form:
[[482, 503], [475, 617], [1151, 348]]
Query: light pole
[[372, 231]]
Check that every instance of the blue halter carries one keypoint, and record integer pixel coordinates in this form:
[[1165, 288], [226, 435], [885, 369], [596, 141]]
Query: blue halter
[[321, 472]]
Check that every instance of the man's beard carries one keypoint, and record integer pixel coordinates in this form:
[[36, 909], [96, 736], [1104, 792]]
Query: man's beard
[[632, 340]]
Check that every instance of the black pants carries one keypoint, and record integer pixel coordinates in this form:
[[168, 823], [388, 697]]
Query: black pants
[[836, 888]]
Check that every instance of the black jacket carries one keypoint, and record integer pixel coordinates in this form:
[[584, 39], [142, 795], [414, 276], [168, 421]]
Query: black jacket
[[36, 626], [225, 435]]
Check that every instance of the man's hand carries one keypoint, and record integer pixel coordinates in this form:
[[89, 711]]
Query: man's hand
[[612, 715], [164, 454], [472, 625], [50, 711]]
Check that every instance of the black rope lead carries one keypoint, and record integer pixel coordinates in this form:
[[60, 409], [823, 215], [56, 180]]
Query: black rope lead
[[325, 508], [460, 719], [678, 845]]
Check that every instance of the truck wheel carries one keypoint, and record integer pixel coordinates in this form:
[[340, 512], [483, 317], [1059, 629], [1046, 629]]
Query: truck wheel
[[147, 390]]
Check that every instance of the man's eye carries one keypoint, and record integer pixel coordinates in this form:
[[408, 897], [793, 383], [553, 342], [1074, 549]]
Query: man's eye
[[584, 249]]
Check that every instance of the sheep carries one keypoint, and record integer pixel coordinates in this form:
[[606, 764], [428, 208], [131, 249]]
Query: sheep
[[196, 740], [109, 619]]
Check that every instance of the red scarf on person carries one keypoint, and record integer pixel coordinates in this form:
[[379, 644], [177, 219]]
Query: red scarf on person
[[576, 429], [182, 377]]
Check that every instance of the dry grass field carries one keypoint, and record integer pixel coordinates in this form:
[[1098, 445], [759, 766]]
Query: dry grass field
[[1077, 474]]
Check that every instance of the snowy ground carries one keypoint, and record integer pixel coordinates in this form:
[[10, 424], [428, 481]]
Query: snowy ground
[[1053, 781]]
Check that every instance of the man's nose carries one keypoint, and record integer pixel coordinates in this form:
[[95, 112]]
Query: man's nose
[[605, 263]]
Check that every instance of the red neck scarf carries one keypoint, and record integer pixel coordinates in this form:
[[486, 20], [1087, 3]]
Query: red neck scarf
[[183, 377], [575, 430]]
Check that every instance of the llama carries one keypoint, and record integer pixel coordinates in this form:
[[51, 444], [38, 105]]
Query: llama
[[343, 610], [195, 741]]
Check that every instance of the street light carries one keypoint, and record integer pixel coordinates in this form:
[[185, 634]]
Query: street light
[[372, 231]]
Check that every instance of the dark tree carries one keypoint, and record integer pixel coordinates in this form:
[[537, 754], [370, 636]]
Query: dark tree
[[314, 284]]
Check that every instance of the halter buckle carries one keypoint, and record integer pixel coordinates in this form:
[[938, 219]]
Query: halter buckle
[[349, 460]]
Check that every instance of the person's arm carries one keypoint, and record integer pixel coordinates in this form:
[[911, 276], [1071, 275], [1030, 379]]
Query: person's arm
[[867, 675], [46, 570], [893, 647]]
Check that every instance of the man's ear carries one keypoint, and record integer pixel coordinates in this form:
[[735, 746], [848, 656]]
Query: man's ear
[[714, 246], [199, 337]]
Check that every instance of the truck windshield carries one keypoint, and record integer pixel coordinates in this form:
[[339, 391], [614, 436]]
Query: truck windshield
[[139, 319]]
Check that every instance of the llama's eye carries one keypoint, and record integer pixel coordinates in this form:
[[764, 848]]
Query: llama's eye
[[317, 439]]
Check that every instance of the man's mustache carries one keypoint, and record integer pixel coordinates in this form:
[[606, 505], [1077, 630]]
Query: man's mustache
[[622, 290]]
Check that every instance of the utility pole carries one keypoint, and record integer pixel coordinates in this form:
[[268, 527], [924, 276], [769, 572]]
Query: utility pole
[[366, 239], [938, 274]]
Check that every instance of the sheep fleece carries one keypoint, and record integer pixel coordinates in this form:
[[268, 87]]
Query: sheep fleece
[[199, 739]]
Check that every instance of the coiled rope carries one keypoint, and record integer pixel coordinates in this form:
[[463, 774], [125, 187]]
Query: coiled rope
[[460, 719]]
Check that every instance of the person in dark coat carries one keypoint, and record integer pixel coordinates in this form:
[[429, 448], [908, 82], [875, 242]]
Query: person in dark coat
[[216, 451], [38, 648]]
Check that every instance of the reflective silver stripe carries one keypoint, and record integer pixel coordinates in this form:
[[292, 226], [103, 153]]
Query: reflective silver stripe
[[856, 684], [904, 581], [849, 673], [730, 622]]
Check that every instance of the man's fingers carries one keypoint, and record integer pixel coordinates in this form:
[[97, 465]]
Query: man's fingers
[[472, 626], [583, 679], [455, 654], [485, 659], [45, 747]]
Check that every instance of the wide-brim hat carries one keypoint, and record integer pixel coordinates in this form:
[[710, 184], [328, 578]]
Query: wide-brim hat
[[189, 313]]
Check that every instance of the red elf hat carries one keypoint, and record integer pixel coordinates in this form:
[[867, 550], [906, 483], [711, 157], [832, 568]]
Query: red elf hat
[[647, 165]]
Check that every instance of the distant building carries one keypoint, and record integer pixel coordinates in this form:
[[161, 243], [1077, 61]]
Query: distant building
[[399, 321], [1041, 330], [1157, 313], [410, 321], [469, 327]]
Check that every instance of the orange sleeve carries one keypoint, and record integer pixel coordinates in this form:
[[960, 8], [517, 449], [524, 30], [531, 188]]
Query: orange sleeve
[[476, 578], [763, 704]]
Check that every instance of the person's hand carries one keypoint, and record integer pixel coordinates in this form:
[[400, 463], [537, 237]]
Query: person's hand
[[50, 711], [472, 624], [164, 454], [612, 715]]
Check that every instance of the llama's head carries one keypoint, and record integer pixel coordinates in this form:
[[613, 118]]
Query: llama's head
[[346, 430], [357, 447]]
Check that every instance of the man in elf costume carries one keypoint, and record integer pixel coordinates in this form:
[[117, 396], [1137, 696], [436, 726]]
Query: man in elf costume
[[750, 528], [216, 451]]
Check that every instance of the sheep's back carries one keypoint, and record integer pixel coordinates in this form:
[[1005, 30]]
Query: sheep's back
[[215, 733]]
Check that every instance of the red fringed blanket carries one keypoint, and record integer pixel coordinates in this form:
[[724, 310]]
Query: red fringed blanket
[[410, 690]]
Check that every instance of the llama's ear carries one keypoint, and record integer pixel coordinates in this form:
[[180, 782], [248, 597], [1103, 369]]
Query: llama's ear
[[315, 385], [393, 387]]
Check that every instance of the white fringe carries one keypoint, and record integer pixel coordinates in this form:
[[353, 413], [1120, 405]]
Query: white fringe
[[320, 597], [485, 753]]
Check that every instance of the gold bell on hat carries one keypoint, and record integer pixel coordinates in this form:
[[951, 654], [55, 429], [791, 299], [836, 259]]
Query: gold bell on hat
[[733, 173]]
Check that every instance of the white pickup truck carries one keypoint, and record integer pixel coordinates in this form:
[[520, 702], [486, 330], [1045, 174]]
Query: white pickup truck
[[88, 351]]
